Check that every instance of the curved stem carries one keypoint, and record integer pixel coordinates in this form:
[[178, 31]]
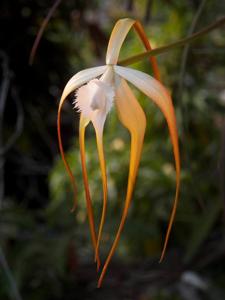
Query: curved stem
[[163, 49]]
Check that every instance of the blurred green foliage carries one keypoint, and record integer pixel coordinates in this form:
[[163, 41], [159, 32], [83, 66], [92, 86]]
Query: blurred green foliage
[[49, 249]]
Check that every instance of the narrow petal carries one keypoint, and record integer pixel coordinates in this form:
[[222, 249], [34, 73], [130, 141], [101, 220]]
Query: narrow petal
[[75, 82], [133, 118], [81, 78], [158, 93], [102, 104], [117, 38], [98, 122], [83, 123]]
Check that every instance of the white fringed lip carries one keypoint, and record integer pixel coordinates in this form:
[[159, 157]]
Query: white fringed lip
[[97, 95]]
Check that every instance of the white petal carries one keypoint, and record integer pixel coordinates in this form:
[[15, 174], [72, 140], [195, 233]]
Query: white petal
[[75, 82], [117, 38], [80, 78], [145, 83], [160, 96]]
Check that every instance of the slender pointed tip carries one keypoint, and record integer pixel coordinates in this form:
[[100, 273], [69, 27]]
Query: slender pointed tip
[[161, 258], [102, 275], [97, 261], [165, 243], [163, 251], [99, 285]]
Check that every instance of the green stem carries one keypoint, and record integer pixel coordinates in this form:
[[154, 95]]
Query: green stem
[[160, 50]]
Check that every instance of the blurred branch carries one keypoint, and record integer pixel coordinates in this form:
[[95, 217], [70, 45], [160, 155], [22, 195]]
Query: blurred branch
[[4, 90], [212, 252], [19, 124], [5, 82], [14, 293], [148, 11], [41, 31], [6, 75], [222, 166], [29, 166], [183, 108], [187, 47], [182, 42]]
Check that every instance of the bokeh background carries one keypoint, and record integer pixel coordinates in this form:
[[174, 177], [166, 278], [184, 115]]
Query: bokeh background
[[45, 250]]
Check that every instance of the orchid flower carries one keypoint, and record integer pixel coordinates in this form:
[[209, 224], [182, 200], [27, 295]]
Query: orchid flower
[[97, 90]]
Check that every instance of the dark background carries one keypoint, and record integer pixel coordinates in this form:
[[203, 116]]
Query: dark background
[[45, 251]]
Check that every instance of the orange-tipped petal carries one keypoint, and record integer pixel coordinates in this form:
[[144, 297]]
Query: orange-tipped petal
[[83, 123], [161, 97], [117, 38], [140, 30], [95, 101], [76, 81], [133, 118]]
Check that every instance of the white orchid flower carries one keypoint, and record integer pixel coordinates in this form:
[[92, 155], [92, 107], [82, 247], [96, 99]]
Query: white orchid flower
[[99, 89]]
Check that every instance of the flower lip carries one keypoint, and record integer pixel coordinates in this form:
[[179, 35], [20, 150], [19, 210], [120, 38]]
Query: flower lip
[[97, 95]]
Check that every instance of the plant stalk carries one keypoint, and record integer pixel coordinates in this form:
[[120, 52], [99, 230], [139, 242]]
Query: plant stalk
[[163, 49]]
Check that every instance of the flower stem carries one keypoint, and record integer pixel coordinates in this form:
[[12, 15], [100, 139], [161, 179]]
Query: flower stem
[[160, 50]]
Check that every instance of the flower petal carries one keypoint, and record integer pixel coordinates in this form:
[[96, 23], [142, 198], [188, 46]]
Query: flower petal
[[133, 118], [98, 121], [83, 123], [98, 117], [158, 93], [75, 82], [117, 38], [81, 78]]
